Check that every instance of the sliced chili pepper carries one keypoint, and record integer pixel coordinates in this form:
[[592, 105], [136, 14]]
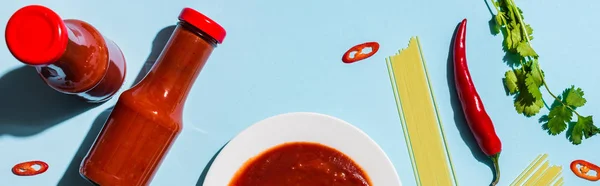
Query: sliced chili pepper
[[28, 169], [585, 168], [358, 52], [475, 114]]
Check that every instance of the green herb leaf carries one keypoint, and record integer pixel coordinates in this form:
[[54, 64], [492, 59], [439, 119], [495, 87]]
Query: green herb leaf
[[574, 97], [508, 43], [526, 99], [533, 86], [590, 129], [510, 80], [515, 36], [526, 78], [534, 109], [583, 128], [529, 31], [527, 105], [536, 73], [525, 50], [558, 118], [499, 19], [494, 27], [520, 12]]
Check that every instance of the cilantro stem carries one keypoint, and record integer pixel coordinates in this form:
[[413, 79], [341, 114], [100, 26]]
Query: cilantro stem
[[520, 19], [555, 97], [496, 6], [526, 35]]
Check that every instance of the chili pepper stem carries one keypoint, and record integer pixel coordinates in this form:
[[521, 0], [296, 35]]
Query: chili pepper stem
[[494, 159]]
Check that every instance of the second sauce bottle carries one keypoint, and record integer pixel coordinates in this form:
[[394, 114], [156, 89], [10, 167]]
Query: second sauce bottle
[[148, 117]]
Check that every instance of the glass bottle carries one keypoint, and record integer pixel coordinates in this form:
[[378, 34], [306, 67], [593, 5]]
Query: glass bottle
[[147, 118], [71, 56]]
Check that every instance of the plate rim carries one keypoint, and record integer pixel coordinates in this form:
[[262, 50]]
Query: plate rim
[[218, 157]]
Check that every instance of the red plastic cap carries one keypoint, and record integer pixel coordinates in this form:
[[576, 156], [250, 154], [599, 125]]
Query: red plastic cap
[[36, 35], [200, 21]]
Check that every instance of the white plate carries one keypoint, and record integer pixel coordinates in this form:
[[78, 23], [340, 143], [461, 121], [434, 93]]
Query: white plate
[[307, 127]]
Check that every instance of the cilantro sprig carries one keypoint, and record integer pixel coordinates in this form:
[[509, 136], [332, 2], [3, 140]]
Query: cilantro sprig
[[525, 78]]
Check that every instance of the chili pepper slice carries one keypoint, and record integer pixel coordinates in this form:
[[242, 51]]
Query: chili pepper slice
[[478, 120], [358, 52], [585, 168], [28, 169]]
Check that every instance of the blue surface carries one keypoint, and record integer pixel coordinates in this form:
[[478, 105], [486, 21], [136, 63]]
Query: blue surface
[[284, 56]]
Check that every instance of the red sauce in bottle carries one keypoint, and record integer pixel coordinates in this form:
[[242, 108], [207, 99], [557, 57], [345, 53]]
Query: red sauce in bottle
[[71, 56], [147, 118]]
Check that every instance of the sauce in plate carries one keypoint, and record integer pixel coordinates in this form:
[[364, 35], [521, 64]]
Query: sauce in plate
[[301, 163]]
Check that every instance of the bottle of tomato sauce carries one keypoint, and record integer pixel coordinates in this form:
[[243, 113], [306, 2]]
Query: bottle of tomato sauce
[[71, 56], [147, 118]]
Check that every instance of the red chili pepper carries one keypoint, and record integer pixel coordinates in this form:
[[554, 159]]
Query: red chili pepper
[[585, 169], [27, 169], [359, 55], [477, 118]]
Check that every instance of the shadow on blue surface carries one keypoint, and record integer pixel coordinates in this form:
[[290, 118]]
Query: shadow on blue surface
[[28, 106], [459, 118], [71, 176], [202, 177]]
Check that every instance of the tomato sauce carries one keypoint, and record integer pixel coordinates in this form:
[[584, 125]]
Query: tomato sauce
[[301, 163]]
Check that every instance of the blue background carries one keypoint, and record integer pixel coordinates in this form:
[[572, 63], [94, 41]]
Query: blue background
[[284, 56]]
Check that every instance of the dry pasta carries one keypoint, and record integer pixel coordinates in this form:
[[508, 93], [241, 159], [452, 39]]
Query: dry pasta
[[419, 116], [540, 172]]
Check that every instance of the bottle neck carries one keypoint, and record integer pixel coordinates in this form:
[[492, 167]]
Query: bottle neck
[[169, 81]]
